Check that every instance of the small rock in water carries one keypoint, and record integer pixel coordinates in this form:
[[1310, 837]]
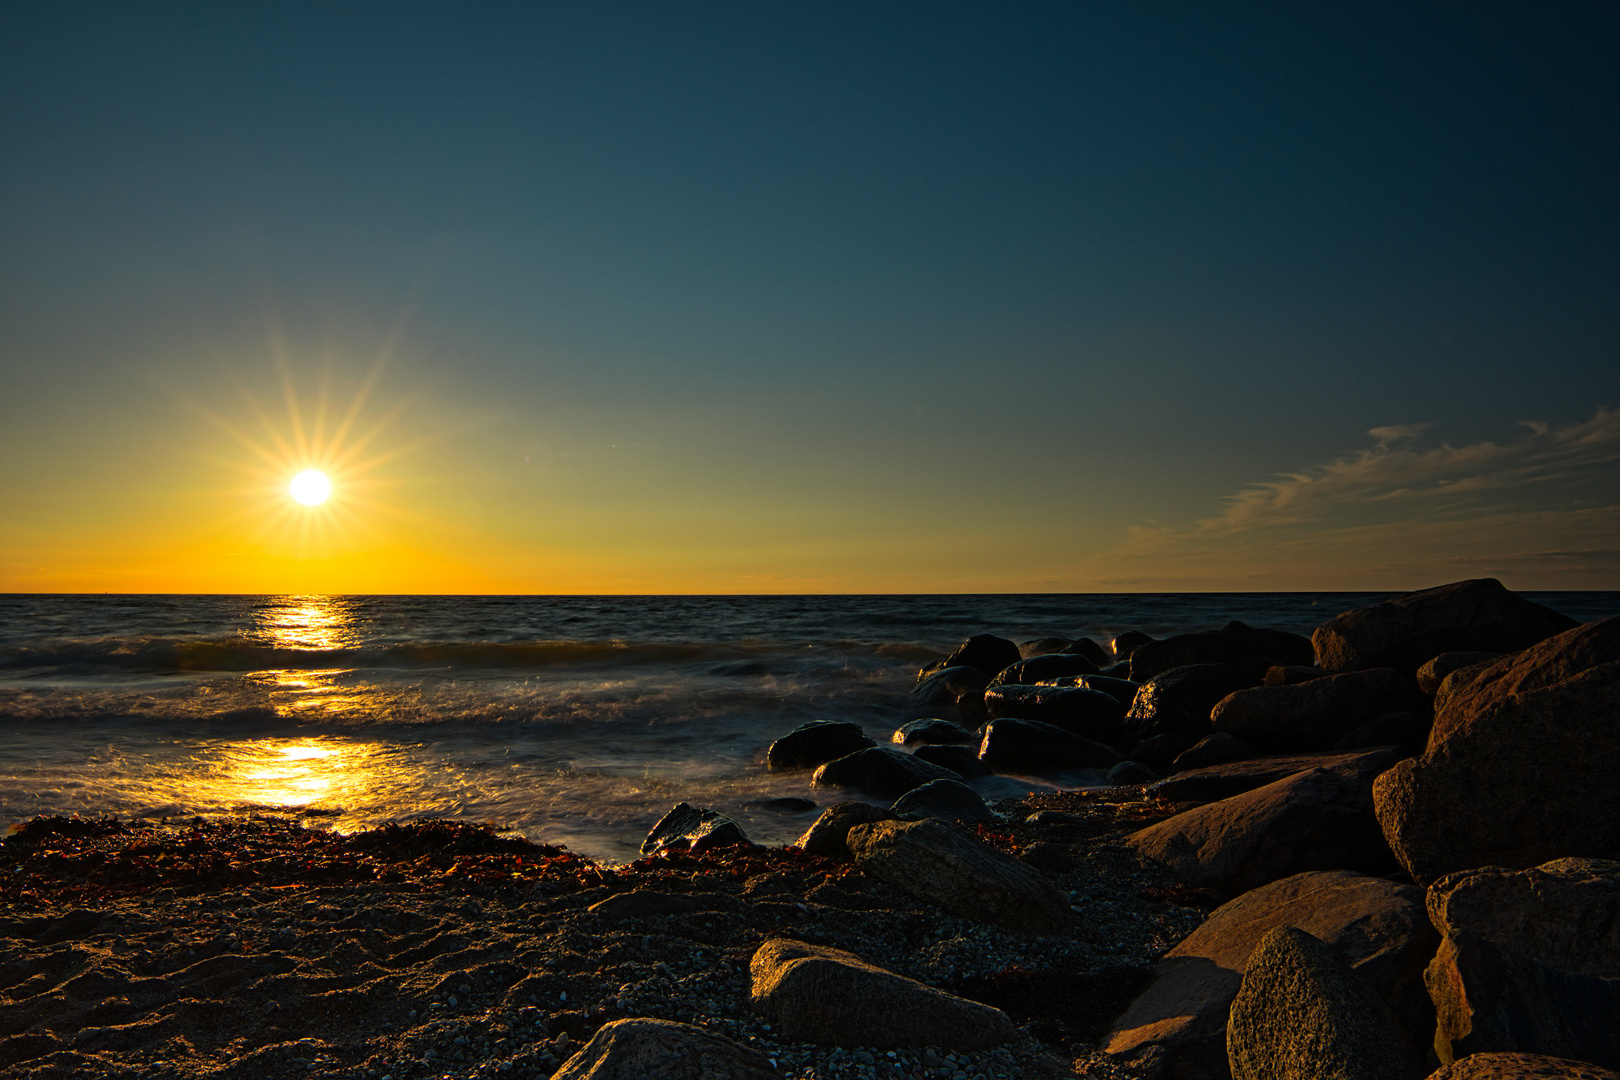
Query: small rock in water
[[693, 828]]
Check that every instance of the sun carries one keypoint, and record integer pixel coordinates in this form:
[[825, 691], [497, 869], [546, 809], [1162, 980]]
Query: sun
[[310, 487]]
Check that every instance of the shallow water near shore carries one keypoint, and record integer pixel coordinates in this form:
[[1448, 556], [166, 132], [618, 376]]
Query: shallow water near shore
[[573, 720]]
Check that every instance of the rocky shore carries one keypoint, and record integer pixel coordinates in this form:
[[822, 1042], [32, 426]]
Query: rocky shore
[[1380, 852]]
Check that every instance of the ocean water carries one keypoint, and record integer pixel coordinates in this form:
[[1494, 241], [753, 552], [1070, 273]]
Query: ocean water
[[575, 719]]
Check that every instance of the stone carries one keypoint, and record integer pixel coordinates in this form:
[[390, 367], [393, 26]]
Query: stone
[[827, 834], [1234, 778], [949, 799], [1506, 778], [938, 862], [1300, 1014], [1036, 749], [986, 652], [1406, 632], [1520, 1067], [1249, 648], [1529, 960], [880, 771], [645, 903], [932, 731], [1434, 672], [1220, 748], [1378, 927], [1178, 702], [1316, 714], [1042, 646], [951, 693], [1407, 731], [1161, 751], [1319, 819], [962, 760], [1289, 674], [1089, 713], [1091, 651], [815, 743], [1129, 642], [691, 829], [1121, 690], [819, 994], [1128, 773], [1051, 666], [639, 1048]]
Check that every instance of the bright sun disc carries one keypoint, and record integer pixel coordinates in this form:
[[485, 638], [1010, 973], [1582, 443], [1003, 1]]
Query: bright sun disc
[[311, 487]]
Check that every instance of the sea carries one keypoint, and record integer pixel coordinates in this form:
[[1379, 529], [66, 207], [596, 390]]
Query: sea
[[576, 720]]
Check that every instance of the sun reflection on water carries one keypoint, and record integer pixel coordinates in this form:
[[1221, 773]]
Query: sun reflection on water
[[308, 622], [331, 773]]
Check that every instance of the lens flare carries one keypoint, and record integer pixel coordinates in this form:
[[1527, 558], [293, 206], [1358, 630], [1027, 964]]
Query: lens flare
[[311, 487]]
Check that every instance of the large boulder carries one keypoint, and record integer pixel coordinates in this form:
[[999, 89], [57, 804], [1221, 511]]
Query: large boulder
[[951, 693], [1316, 714], [1128, 642], [880, 771], [1121, 690], [1043, 646], [1039, 668], [1247, 647], [1313, 820], [815, 743], [1433, 672], [1091, 651], [1302, 1015], [1507, 778], [986, 652], [814, 993], [962, 760], [1037, 749], [643, 1047], [1520, 1067], [1407, 631], [1376, 926], [1090, 713], [1178, 702], [827, 833], [948, 799], [1529, 961], [1220, 748], [930, 732], [938, 862], [1210, 782], [693, 828]]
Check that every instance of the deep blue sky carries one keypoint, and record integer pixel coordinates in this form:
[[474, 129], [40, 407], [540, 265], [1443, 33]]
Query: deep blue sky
[[834, 296]]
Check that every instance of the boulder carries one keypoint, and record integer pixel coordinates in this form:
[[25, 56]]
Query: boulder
[[643, 1047], [1377, 927], [1129, 773], [1434, 672], [1091, 651], [932, 730], [1520, 1067], [1220, 748], [1129, 642], [1407, 731], [938, 862], [1407, 631], [1090, 713], [949, 799], [1037, 749], [1507, 776], [827, 834], [1042, 646], [986, 652], [693, 828], [1314, 820], [1289, 674], [1301, 1014], [962, 760], [952, 693], [815, 743], [1316, 714], [1178, 702], [1121, 690], [1161, 751], [1246, 647], [815, 993], [1529, 961], [1234, 778], [1050, 666], [880, 771]]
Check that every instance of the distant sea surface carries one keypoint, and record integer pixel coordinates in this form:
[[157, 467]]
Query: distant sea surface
[[571, 719]]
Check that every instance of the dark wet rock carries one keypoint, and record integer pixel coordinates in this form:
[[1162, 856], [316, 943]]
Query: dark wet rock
[[1090, 713], [815, 993], [787, 804], [1521, 1067], [645, 903], [1406, 730], [1220, 748], [1378, 927], [1234, 778], [1301, 1014], [1179, 701], [1506, 778], [644, 1047], [692, 828], [1161, 751], [1406, 632], [962, 760], [1042, 646], [1316, 714], [986, 652], [815, 743], [940, 863], [1290, 674], [1127, 773], [1253, 649], [1029, 746], [880, 771], [1039, 668], [1119, 670], [932, 730], [1529, 960], [1434, 672], [951, 693], [1121, 690], [949, 799], [1128, 642], [826, 837], [1314, 820], [1091, 651]]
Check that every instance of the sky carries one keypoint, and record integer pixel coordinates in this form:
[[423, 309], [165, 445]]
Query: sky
[[764, 297]]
